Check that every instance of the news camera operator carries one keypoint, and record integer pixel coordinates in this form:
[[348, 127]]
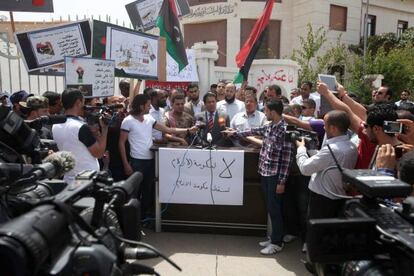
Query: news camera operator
[[75, 136], [322, 203]]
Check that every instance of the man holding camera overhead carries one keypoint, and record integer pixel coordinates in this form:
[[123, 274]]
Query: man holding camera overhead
[[76, 137]]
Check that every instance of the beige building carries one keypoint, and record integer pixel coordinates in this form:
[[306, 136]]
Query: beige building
[[229, 22]]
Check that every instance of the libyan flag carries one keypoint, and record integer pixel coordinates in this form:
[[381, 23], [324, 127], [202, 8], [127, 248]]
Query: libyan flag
[[169, 26], [247, 53]]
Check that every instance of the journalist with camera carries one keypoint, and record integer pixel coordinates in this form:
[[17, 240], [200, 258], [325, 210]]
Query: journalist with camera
[[75, 135]]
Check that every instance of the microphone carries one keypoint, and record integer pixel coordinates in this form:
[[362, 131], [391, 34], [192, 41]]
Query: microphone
[[62, 162], [46, 120], [209, 138], [222, 123], [123, 190], [200, 123]]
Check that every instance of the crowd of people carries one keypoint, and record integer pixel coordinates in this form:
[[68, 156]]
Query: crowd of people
[[295, 181]]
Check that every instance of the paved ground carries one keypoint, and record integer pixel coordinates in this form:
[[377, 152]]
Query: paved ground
[[206, 254]]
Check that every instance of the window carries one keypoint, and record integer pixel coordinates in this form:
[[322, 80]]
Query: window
[[401, 27], [337, 18], [270, 47], [210, 31], [371, 23]]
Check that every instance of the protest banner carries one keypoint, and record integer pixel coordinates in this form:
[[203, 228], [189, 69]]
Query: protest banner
[[45, 47], [94, 77], [136, 54]]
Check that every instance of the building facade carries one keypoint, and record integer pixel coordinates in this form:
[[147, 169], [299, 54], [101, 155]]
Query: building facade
[[229, 22]]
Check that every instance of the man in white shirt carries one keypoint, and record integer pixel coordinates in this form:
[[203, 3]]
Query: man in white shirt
[[305, 93], [230, 105], [250, 118], [404, 98], [327, 181], [158, 102], [76, 137]]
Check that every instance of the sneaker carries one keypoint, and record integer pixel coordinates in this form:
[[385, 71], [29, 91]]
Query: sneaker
[[304, 248], [271, 249], [265, 243], [288, 238]]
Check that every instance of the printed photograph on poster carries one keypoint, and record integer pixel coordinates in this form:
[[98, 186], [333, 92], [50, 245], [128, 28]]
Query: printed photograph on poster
[[143, 13], [94, 77], [86, 89], [47, 47], [50, 46], [148, 11], [188, 74], [134, 53]]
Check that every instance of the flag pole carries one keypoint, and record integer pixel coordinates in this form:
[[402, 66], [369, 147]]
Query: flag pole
[[12, 22]]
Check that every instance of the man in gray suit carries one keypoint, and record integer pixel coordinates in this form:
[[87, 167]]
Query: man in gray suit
[[194, 104], [214, 122]]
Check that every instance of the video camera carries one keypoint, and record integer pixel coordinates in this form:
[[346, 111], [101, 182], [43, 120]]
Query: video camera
[[371, 238], [293, 134], [22, 136], [44, 231], [105, 112]]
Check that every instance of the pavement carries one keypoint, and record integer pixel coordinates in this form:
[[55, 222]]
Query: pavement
[[219, 255]]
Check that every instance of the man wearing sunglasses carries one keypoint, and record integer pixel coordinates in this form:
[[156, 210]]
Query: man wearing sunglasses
[[382, 95]]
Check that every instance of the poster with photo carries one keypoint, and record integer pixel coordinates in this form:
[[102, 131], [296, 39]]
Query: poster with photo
[[94, 77], [50, 46], [143, 13], [46, 47], [134, 53]]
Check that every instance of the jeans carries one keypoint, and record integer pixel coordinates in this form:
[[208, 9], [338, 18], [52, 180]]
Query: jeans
[[146, 192], [295, 205], [274, 207]]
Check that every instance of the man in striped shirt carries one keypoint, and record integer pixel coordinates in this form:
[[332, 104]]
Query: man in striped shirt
[[275, 158]]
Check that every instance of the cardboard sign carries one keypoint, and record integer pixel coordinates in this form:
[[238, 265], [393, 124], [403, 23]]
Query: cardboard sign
[[46, 47], [94, 77], [27, 5], [136, 54], [188, 74], [143, 13], [195, 176]]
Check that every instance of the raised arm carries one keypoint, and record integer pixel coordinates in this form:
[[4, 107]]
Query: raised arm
[[337, 104]]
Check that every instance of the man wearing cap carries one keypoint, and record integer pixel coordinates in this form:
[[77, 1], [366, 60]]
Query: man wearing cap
[[3, 99], [16, 98], [35, 107]]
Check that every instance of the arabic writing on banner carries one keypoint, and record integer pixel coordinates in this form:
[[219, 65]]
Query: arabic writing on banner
[[188, 74], [194, 176], [94, 77]]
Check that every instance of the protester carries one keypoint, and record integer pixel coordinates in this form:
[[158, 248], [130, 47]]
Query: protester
[[194, 104], [230, 105], [158, 102], [4, 99], [177, 118], [214, 122], [404, 98], [275, 159], [306, 93], [382, 95], [137, 129], [221, 88], [16, 98], [250, 118]]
